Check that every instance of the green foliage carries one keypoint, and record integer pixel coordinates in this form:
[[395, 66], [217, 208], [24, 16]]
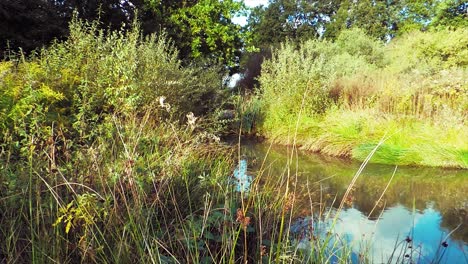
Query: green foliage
[[291, 20], [451, 13], [301, 20], [107, 137], [376, 18], [77, 84], [301, 80], [432, 14], [199, 29], [112, 122], [208, 30], [340, 97], [356, 43], [82, 213], [419, 14], [430, 51], [249, 111]]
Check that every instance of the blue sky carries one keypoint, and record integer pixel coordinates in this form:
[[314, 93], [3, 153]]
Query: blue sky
[[250, 3], [242, 21]]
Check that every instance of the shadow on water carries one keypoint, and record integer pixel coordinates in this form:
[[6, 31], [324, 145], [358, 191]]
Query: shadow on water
[[421, 204]]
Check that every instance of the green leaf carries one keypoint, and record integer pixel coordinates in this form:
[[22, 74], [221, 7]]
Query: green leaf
[[67, 228], [208, 235]]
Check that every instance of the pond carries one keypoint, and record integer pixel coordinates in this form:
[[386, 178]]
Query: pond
[[422, 211]]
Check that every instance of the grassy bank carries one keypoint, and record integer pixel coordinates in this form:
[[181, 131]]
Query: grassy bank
[[342, 97]]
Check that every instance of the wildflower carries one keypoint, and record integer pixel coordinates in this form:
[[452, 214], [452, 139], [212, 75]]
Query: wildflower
[[240, 215], [263, 251], [216, 139], [191, 119], [246, 222], [288, 204], [408, 239], [161, 100], [242, 219], [445, 244], [163, 104], [349, 200]]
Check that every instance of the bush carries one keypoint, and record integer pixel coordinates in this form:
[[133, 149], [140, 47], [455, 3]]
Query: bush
[[93, 137], [429, 52], [73, 85], [356, 43], [302, 78]]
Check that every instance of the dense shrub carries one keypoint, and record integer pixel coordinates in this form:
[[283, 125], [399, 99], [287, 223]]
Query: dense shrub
[[103, 152], [429, 51], [356, 43], [75, 84], [296, 79]]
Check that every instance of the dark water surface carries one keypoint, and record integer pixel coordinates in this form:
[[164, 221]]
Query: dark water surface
[[423, 204]]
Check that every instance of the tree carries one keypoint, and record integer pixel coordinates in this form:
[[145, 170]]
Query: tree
[[205, 30], [385, 19], [376, 17], [451, 13], [423, 15], [415, 15], [29, 24], [289, 19], [199, 28]]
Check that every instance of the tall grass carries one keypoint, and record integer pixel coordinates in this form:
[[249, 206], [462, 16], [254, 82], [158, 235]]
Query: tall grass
[[357, 90], [106, 153], [107, 157]]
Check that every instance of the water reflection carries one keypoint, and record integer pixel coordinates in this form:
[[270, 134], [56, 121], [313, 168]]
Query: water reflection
[[242, 179], [398, 227], [423, 204]]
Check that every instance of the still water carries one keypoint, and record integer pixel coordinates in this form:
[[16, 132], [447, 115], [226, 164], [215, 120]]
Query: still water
[[426, 206]]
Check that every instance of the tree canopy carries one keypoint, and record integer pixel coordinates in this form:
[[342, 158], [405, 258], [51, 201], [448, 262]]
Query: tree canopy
[[198, 28], [384, 19], [289, 19]]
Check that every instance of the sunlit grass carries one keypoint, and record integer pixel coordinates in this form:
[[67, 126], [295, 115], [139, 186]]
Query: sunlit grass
[[348, 106]]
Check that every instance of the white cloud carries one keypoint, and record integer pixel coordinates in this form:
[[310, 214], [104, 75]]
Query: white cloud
[[395, 224], [241, 20]]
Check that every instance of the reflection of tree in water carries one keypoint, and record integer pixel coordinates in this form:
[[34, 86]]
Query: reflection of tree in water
[[322, 177], [451, 218], [447, 197]]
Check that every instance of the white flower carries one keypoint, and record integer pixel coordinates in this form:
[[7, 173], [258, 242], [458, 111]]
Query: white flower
[[191, 119], [161, 101], [163, 104]]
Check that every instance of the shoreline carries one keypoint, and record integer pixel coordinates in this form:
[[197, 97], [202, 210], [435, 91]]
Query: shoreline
[[353, 135]]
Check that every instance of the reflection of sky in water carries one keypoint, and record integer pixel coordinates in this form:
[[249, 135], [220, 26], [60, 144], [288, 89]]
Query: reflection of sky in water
[[395, 224], [438, 195], [242, 179]]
